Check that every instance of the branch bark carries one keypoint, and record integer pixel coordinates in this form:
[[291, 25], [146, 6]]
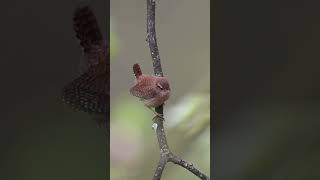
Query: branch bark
[[165, 154]]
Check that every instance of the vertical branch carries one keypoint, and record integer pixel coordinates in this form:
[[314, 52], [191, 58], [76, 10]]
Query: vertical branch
[[152, 41], [162, 163], [165, 154], [151, 37]]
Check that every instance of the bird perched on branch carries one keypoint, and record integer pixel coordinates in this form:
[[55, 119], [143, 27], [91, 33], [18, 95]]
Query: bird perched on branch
[[90, 92], [152, 90]]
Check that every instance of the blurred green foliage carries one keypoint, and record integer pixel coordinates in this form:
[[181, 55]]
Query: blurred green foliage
[[187, 126]]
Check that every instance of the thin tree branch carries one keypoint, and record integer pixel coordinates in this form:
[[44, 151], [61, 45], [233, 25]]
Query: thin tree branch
[[151, 37], [189, 166], [162, 163], [165, 154]]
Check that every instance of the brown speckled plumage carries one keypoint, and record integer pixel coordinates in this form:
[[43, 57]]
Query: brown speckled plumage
[[90, 91], [152, 90]]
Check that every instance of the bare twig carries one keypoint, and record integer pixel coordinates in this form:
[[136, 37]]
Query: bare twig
[[189, 166], [165, 154]]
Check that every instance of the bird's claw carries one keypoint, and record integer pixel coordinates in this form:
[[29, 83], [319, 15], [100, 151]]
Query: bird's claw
[[158, 116]]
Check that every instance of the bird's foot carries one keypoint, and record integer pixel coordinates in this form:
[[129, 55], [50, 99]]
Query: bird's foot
[[158, 116]]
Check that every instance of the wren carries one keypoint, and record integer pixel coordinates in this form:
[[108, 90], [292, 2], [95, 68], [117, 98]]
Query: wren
[[152, 90]]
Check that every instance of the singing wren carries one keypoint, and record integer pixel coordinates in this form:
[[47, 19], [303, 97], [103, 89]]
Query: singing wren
[[152, 90]]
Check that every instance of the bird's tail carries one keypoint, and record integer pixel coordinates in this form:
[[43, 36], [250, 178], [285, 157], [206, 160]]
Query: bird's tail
[[86, 27], [137, 70]]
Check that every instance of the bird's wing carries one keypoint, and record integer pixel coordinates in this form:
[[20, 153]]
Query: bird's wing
[[142, 91], [88, 93]]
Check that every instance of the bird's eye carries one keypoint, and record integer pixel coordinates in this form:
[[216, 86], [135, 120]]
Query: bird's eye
[[159, 86]]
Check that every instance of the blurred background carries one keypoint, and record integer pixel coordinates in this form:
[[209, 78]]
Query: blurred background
[[183, 34], [266, 96], [266, 78], [42, 138]]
